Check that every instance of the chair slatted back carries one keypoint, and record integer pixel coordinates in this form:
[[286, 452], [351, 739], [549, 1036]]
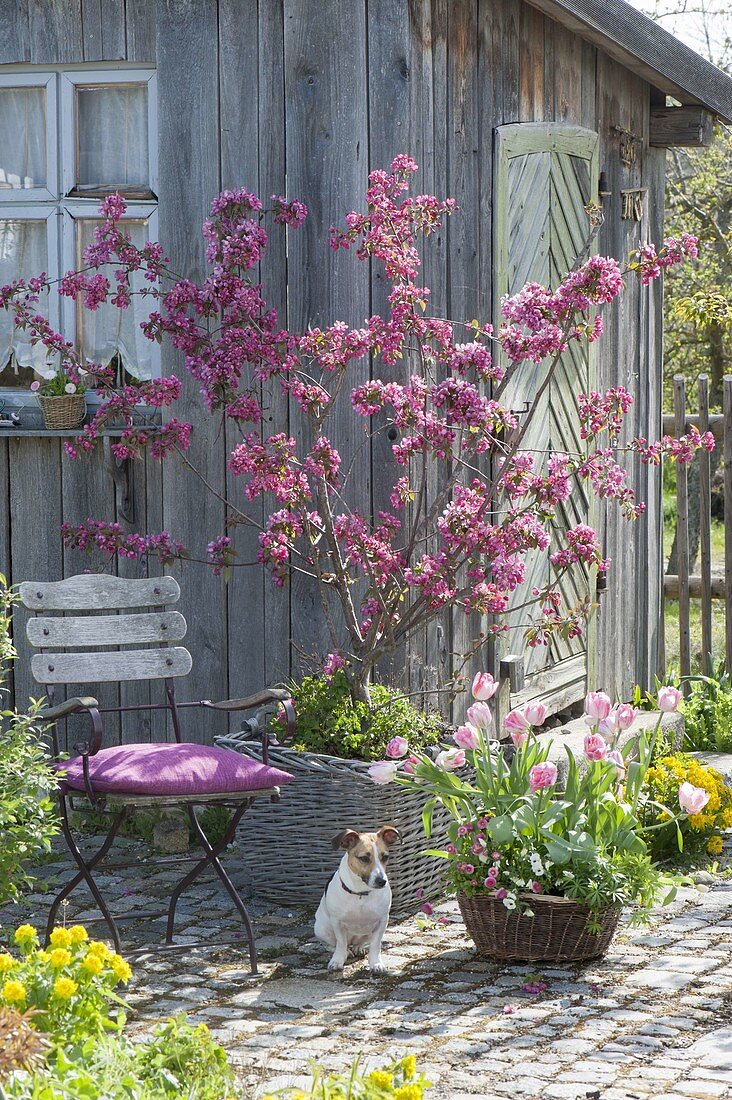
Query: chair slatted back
[[72, 644]]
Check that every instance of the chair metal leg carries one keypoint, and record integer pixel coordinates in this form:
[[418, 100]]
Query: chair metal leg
[[210, 857], [85, 872]]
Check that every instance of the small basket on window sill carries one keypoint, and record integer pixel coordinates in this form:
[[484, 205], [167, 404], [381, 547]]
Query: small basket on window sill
[[63, 412]]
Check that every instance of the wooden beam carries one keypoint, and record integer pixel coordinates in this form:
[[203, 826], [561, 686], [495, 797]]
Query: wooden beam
[[715, 425], [681, 126], [671, 587]]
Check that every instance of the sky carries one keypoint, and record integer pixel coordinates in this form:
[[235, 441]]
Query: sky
[[705, 25]]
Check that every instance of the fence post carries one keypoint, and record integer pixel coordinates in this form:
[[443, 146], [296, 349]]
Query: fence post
[[727, 459], [705, 530], [682, 530]]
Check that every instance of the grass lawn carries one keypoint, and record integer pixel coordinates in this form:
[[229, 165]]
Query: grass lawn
[[672, 606]]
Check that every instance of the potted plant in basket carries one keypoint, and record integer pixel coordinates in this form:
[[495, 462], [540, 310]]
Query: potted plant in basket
[[542, 871], [62, 399]]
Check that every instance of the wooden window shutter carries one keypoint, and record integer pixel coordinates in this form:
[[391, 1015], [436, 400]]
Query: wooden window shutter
[[545, 174]]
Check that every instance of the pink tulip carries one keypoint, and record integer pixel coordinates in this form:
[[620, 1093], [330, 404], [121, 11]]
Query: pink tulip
[[519, 737], [535, 713], [466, 737], [669, 699], [410, 764], [597, 705], [383, 771], [484, 686], [516, 722], [397, 748], [616, 758], [450, 759], [608, 726], [542, 776], [692, 799], [595, 747], [624, 716], [480, 715]]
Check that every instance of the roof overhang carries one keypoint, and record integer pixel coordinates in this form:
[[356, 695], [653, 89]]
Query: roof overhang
[[646, 49]]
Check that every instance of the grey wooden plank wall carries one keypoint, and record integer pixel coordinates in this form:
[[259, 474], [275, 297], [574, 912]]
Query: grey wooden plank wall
[[304, 97]]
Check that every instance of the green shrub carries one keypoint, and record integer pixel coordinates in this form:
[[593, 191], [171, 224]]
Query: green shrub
[[179, 1061], [707, 714], [28, 818], [329, 722]]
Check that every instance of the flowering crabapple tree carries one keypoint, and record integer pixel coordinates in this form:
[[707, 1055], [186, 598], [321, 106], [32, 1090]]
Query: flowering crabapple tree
[[468, 504]]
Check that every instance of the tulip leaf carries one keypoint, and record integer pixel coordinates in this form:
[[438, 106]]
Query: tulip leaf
[[500, 829]]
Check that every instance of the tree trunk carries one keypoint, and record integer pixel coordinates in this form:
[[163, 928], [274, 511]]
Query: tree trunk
[[360, 685]]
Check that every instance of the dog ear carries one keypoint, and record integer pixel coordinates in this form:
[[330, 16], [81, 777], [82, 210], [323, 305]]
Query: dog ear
[[389, 834], [345, 839]]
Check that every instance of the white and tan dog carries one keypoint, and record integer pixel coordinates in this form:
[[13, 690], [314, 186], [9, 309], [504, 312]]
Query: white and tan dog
[[354, 910]]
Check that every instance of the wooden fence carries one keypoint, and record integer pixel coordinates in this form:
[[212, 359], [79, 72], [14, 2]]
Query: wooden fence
[[707, 584]]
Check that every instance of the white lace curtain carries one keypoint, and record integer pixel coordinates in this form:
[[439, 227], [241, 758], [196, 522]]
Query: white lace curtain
[[22, 138], [108, 331], [23, 252], [112, 136]]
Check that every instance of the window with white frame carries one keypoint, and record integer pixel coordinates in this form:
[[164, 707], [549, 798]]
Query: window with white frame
[[68, 137]]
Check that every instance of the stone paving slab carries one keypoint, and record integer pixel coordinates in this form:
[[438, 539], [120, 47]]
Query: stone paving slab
[[651, 1021]]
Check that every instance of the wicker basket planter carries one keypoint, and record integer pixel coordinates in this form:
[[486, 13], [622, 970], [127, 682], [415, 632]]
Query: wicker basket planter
[[558, 930], [287, 846], [63, 412]]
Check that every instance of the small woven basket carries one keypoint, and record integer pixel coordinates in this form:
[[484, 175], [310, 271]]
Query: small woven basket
[[286, 846], [60, 413], [558, 930]]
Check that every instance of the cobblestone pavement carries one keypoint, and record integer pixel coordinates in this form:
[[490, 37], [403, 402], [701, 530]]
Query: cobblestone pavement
[[653, 1019]]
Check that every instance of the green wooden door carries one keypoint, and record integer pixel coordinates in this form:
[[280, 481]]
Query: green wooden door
[[546, 173]]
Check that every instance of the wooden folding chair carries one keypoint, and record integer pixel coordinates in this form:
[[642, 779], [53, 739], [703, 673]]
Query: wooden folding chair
[[112, 640]]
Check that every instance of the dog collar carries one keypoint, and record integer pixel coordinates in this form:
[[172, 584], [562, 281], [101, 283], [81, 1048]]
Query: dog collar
[[356, 893]]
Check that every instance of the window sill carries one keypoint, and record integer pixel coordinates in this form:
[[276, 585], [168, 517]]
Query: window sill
[[65, 433]]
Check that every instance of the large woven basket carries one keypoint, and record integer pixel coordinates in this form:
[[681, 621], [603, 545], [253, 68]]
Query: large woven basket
[[60, 413], [286, 846], [558, 930]]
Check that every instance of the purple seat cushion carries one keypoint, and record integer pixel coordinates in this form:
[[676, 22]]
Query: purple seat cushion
[[165, 769]]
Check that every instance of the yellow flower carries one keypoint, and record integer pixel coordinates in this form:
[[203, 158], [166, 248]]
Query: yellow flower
[[715, 845], [96, 947], [120, 968], [93, 964], [13, 993], [64, 988], [7, 962], [43, 956], [26, 935], [61, 937], [59, 957], [381, 1078], [408, 1092], [78, 933], [409, 1065]]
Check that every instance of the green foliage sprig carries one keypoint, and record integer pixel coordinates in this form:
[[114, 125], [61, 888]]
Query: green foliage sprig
[[328, 721]]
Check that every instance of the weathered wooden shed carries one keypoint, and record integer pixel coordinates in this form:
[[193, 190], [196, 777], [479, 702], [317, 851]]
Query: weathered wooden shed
[[523, 111]]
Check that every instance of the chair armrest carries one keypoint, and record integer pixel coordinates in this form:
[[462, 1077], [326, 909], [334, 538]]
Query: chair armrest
[[69, 706], [249, 702]]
